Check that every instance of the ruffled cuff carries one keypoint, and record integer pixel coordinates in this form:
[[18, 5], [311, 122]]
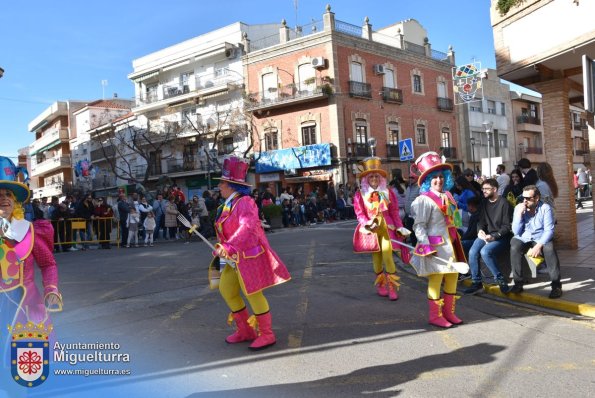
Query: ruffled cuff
[[423, 250]]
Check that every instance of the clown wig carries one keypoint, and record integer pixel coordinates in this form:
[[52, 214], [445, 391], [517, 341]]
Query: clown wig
[[448, 180]]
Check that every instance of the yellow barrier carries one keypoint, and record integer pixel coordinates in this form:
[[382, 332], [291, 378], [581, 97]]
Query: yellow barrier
[[102, 231]]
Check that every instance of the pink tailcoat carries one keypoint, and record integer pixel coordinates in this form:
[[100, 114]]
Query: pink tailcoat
[[361, 237], [241, 235]]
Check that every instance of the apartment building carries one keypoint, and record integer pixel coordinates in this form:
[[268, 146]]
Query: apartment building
[[191, 94], [528, 126], [51, 166], [580, 138], [323, 95]]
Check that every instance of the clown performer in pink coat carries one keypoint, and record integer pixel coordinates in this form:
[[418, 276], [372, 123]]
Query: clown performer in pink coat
[[250, 264], [21, 244], [377, 211], [436, 220]]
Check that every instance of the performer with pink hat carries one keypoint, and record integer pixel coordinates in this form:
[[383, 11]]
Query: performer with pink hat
[[377, 210], [250, 264], [21, 242], [436, 220]]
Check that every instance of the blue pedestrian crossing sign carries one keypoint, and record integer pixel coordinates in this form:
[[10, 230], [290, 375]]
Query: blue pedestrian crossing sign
[[406, 149]]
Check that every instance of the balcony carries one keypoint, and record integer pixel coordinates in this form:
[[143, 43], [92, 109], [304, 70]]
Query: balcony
[[392, 151], [175, 90], [102, 153], [444, 104], [288, 95], [529, 124], [49, 165], [581, 152], [50, 139], [449, 152], [535, 150], [104, 181], [360, 90], [392, 95], [48, 191]]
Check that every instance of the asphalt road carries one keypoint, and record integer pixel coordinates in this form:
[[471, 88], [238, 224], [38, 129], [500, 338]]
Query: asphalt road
[[335, 336]]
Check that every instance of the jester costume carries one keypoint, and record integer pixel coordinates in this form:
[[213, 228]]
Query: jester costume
[[251, 265], [436, 221], [378, 206]]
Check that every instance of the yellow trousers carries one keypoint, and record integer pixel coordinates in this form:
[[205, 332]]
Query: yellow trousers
[[385, 255], [435, 283], [230, 286]]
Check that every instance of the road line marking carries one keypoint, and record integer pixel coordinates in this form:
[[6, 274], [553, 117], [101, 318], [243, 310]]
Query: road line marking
[[294, 340]]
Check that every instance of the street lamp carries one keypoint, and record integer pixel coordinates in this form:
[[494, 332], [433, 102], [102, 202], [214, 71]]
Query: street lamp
[[472, 142], [372, 145], [488, 129]]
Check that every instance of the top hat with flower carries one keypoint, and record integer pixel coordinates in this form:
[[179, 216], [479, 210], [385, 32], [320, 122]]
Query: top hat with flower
[[235, 170], [428, 162], [370, 165], [8, 179]]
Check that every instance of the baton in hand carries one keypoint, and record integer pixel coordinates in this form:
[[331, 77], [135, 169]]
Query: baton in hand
[[460, 267], [192, 229]]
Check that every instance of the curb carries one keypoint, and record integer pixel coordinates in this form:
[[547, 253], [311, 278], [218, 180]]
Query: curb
[[571, 307]]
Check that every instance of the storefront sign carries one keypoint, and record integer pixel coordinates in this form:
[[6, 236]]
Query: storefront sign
[[293, 158], [269, 177]]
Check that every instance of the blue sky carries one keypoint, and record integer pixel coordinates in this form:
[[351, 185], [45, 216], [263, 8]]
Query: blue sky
[[63, 49]]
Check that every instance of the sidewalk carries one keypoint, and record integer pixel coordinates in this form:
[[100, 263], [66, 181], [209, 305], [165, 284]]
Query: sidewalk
[[577, 268]]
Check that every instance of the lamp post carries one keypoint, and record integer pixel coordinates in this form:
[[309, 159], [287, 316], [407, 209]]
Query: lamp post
[[372, 145], [488, 129], [472, 142]]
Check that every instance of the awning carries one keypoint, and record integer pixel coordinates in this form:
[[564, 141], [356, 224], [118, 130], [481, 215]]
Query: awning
[[45, 148], [313, 178], [145, 76]]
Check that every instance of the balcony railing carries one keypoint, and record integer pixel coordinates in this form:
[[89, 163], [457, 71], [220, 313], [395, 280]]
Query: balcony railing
[[392, 95], [444, 104], [535, 150], [392, 151], [361, 150], [175, 90], [360, 90], [48, 191], [581, 152], [104, 181], [449, 152], [289, 94], [528, 119], [48, 140], [49, 165], [103, 153]]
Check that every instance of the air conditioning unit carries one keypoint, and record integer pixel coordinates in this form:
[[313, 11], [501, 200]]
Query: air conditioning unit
[[231, 53], [318, 62], [379, 69]]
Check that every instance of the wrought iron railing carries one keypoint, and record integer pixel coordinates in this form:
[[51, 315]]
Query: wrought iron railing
[[528, 119], [392, 95], [359, 89], [444, 104]]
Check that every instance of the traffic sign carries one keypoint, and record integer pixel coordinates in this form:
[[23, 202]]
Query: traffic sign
[[406, 149]]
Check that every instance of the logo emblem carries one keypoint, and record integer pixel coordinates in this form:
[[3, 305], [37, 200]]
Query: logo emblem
[[30, 353]]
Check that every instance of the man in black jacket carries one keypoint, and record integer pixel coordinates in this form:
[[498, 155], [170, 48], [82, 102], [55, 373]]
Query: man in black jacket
[[529, 174], [493, 237], [123, 210]]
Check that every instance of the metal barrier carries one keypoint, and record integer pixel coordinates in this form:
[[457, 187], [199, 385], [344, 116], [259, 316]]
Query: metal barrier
[[99, 230]]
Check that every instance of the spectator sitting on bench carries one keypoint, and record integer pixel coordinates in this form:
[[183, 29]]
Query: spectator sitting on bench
[[533, 227], [469, 235], [493, 237]]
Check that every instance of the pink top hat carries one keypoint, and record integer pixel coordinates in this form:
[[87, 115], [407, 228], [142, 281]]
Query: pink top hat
[[234, 170], [428, 162]]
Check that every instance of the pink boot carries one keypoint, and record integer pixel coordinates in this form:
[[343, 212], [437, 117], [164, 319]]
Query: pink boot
[[449, 309], [436, 317], [244, 332], [380, 283], [266, 337], [393, 286]]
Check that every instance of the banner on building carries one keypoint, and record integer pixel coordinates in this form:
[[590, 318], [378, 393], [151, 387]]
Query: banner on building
[[293, 158], [467, 83]]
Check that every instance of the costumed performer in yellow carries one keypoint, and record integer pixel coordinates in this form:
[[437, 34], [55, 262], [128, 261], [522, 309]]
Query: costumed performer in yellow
[[250, 264], [377, 210], [436, 220]]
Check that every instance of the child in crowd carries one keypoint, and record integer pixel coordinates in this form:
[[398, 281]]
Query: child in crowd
[[149, 225], [132, 224]]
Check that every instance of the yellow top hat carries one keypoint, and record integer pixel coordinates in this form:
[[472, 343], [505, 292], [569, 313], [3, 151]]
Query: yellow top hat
[[369, 165]]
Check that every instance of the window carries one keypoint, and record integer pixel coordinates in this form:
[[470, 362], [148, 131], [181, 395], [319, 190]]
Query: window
[[309, 135], [417, 86], [442, 90], [185, 81], [361, 133], [503, 140], [306, 77], [188, 117], [491, 107], [393, 133], [357, 73], [269, 86], [421, 134], [189, 157], [151, 93], [155, 163], [533, 110], [445, 138], [475, 106], [389, 78], [270, 140], [226, 146], [502, 108]]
